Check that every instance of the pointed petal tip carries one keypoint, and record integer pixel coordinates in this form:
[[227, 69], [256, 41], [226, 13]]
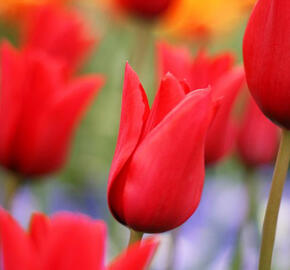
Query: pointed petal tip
[[168, 76]]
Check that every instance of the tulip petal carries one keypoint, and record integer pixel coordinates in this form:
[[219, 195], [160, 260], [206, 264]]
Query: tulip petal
[[258, 137], [41, 83], [74, 242], [38, 229], [59, 33], [60, 121], [201, 71], [135, 111], [11, 99], [16, 247], [137, 257], [222, 133], [170, 93], [221, 64], [168, 168], [266, 50], [174, 60]]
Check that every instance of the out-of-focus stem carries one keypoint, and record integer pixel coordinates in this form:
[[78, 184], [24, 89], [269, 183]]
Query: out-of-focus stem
[[251, 217], [172, 249], [135, 237], [142, 45], [12, 185], [272, 211]]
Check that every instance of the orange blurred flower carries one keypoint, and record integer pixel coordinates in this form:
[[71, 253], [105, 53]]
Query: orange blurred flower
[[203, 19], [15, 7]]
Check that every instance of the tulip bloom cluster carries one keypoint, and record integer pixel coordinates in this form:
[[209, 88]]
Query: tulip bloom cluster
[[157, 174], [65, 242], [226, 82]]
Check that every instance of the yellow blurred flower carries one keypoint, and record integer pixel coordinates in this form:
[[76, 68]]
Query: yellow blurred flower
[[15, 7], [204, 18]]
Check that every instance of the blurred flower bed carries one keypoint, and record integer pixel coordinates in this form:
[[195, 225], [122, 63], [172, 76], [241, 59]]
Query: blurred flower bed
[[223, 233]]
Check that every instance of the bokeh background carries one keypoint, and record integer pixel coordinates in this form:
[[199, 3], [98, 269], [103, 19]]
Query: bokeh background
[[219, 235]]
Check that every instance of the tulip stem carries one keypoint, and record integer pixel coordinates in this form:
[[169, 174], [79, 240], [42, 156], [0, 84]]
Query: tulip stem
[[135, 237], [12, 185], [272, 211]]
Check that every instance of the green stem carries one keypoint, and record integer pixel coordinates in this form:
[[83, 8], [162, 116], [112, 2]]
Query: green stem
[[142, 45], [272, 211], [135, 237], [12, 185]]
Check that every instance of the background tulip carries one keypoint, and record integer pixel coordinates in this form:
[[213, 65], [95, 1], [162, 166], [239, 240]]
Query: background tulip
[[60, 33], [203, 71], [39, 111], [258, 138], [65, 242], [204, 19], [149, 8], [157, 173], [267, 61], [266, 58]]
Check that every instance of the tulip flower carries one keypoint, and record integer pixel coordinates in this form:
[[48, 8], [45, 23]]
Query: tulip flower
[[39, 110], [157, 173], [267, 62], [60, 33], [65, 241], [147, 9], [203, 19], [15, 8], [225, 81], [267, 59], [258, 138]]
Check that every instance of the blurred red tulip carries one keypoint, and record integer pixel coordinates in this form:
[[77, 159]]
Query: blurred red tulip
[[147, 9], [157, 174], [258, 138], [39, 111], [203, 71], [267, 59], [59, 32], [65, 242]]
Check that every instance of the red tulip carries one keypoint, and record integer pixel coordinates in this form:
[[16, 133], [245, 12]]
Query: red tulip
[[65, 242], [39, 111], [60, 33], [225, 81], [267, 59], [258, 138], [147, 9], [157, 174]]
